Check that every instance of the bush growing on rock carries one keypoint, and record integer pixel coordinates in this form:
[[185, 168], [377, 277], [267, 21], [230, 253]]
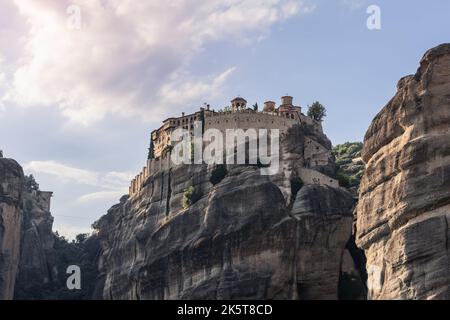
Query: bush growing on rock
[[218, 173], [190, 197]]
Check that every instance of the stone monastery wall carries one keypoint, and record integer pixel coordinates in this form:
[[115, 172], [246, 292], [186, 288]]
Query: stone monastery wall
[[310, 176], [315, 153], [249, 120], [153, 166]]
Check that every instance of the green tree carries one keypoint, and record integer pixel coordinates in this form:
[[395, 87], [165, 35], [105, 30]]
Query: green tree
[[255, 107], [190, 197], [202, 119], [151, 149], [31, 183], [218, 173], [317, 111], [80, 238]]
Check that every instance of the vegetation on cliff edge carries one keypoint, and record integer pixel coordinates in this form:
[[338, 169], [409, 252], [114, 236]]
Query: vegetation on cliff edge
[[350, 164]]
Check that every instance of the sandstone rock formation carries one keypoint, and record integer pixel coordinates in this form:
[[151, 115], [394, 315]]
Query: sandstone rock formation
[[11, 183], [249, 236], [403, 212], [37, 266], [26, 237]]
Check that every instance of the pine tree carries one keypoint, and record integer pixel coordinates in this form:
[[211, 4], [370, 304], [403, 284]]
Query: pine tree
[[317, 111], [151, 150]]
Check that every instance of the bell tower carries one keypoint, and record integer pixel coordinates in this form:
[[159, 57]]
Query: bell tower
[[238, 104]]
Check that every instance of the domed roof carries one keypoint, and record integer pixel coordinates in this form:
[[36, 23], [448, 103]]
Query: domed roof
[[239, 99]]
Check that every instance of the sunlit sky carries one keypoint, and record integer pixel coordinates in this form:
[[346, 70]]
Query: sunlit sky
[[77, 104]]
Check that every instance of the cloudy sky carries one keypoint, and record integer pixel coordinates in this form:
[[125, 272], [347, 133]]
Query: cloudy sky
[[83, 82]]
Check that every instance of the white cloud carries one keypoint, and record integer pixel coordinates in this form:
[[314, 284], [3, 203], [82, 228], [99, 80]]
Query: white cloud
[[63, 172], [107, 196], [111, 185], [70, 231], [109, 180], [130, 57], [178, 90]]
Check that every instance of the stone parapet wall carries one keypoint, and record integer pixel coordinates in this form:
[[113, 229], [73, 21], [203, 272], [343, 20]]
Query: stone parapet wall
[[153, 166], [249, 120], [315, 153], [309, 176]]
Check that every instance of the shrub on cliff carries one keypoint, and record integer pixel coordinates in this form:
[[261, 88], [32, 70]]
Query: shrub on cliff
[[80, 238], [151, 150], [344, 180], [190, 197], [350, 165], [218, 173]]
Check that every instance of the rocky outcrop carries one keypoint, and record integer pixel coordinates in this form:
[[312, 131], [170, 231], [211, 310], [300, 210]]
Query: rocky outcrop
[[37, 266], [11, 183], [249, 236], [27, 262], [403, 212]]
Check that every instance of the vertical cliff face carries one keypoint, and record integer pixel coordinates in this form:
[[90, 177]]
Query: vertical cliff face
[[37, 266], [11, 183], [404, 207], [27, 262], [248, 236]]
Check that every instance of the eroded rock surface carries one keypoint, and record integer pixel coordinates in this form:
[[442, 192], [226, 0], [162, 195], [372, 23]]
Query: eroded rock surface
[[403, 212], [248, 237], [37, 266], [27, 264], [11, 183]]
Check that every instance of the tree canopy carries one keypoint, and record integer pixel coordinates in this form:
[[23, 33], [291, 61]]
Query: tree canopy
[[317, 111]]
